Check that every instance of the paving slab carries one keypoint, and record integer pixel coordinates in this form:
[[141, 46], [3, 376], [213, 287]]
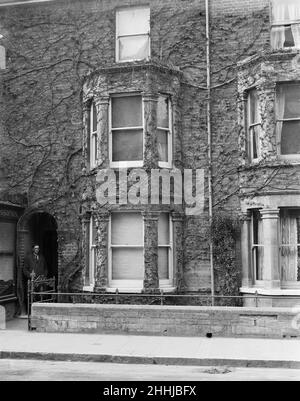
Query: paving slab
[[242, 352]]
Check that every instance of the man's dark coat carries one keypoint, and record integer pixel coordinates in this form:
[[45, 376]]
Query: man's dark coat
[[35, 264]]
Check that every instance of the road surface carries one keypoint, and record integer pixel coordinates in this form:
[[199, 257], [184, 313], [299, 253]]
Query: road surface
[[29, 370]]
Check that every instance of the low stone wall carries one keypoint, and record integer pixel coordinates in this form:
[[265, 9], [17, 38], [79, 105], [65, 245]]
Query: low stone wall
[[167, 320]]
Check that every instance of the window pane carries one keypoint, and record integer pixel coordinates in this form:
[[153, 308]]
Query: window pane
[[162, 143], [95, 139], [163, 263], [7, 237], [254, 112], [163, 229], [94, 117], [6, 268], [163, 112], [127, 229], [127, 264], [254, 132], [127, 112], [290, 138], [258, 250], [290, 97], [133, 21], [285, 10], [127, 145], [134, 48], [94, 232], [289, 250]]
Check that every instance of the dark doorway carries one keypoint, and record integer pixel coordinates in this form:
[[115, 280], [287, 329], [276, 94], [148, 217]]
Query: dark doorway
[[43, 232]]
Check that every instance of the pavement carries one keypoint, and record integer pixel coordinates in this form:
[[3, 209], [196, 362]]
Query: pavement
[[17, 343]]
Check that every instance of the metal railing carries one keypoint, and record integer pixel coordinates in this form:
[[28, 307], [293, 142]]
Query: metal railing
[[162, 298]]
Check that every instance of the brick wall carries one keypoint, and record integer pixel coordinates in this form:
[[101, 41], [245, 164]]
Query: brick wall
[[165, 320], [51, 47]]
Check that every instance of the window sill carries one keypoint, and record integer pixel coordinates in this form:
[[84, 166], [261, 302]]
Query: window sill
[[270, 292], [88, 288], [132, 290], [119, 165]]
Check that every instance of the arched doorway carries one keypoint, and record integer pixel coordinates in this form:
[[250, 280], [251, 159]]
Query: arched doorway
[[36, 228]]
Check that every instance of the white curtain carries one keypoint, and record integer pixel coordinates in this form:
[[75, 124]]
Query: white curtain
[[279, 14], [280, 109], [289, 251], [260, 251], [294, 15]]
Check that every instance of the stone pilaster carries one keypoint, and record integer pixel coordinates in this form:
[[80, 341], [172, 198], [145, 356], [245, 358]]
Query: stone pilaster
[[101, 274], [177, 220], [268, 141], [150, 134], [151, 279], [102, 105], [247, 274], [85, 224], [271, 274]]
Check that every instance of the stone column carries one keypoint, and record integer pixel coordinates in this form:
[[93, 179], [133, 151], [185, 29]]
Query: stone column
[[177, 220], [102, 105], [271, 275], [247, 274], [101, 274], [150, 135], [266, 93], [151, 279]]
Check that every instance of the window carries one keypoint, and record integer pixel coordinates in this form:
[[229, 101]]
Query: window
[[7, 257], [257, 247], [254, 125], [2, 57], [126, 133], [285, 31], [133, 34], [92, 135], [126, 250], [164, 131], [288, 119], [165, 251], [89, 279], [290, 246]]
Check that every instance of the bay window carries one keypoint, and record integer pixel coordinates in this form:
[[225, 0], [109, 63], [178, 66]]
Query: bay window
[[254, 125], [164, 131], [126, 253], [132, 34], [126, 131], [290, 246], [288, 119], [285, 31], [92, 135]]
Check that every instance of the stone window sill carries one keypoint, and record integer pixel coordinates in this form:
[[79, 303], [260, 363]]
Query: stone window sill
[[270, 292]]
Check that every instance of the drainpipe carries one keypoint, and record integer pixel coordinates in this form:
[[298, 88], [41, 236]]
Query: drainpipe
[[209, 142]]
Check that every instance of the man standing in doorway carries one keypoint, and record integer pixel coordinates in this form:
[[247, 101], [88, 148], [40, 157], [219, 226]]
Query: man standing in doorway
[[35, 264]]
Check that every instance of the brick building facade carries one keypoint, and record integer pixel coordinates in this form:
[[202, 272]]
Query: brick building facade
[[80, 77]]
